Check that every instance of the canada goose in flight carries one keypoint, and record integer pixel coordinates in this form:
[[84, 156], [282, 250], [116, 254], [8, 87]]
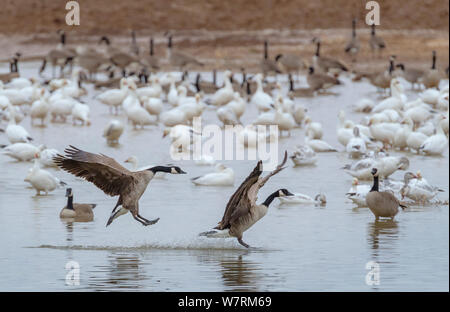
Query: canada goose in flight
[[376, 43], [268, 66], [326, 64], [60, 56], [432, 77], [318, 81], [353, 46], [180, 59], [382, 204], [79, 212], [242, 212], [113, 179]]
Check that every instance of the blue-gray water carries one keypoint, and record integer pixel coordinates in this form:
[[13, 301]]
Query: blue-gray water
[[297, 248]]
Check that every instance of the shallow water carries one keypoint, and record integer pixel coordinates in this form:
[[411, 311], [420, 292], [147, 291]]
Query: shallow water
[[296, 248]]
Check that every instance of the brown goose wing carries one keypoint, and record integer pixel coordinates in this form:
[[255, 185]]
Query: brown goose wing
[[103, 171], [254, 192], [239, 203]]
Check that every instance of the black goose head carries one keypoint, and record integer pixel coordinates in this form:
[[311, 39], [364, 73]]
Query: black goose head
[[169, 43], [168, 169], [311, 70], [69, 192], [278, 57], [105, 39], [401, 66], [375, 172], [284, 192]]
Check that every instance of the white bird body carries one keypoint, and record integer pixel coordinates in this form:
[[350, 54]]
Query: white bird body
[[173, 117], [22, 151], [385, 165], [113, 131], [39, 109], [81, 112], [260, 99], [356, 146], [319, 146], [223, 176], [304, 156], [153, 105], [302, 199], [16, 133], [41, 180], [225, 94], [436, 144], [46, 157]]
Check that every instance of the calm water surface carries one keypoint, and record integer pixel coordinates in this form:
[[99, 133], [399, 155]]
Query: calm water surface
[[297, 248]]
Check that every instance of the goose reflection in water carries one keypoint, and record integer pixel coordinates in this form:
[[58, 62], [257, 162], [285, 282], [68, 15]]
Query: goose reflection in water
[[382, 236], [124, 271]]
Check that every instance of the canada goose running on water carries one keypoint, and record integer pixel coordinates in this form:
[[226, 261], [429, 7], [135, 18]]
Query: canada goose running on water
[[382, 204], [113, 179], [79, 212], [242, 211]]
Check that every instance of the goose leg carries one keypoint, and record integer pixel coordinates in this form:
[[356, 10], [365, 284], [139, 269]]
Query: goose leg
[[243, 243], [148, 222]]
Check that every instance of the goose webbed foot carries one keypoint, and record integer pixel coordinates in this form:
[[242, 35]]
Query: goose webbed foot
[[144, 221], [243, 243]]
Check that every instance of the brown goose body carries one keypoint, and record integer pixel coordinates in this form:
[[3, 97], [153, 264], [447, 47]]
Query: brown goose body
[[432, 77], [289, 63], [111, 177], [353, 46], [412, 75], [382, 204], [241, 211], [326, 64], [376, 43], [317, 81]]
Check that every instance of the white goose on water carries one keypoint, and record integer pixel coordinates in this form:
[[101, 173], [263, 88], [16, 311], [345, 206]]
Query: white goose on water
[[42, 180], [223, 176]]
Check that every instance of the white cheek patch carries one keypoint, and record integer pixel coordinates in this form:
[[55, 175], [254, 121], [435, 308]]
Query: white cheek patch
[[173, 171]]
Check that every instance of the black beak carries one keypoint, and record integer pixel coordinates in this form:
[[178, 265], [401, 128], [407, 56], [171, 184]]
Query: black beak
[[182, 172], [289, 194]]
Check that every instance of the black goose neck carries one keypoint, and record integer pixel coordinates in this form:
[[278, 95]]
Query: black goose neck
[[375, 184], [318, 49], [70, 202], [160, 169], [433, 65], [270, 199]]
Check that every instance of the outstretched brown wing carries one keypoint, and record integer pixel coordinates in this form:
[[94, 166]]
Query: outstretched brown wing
[[239, 204], [101, 170], [245, 196]]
